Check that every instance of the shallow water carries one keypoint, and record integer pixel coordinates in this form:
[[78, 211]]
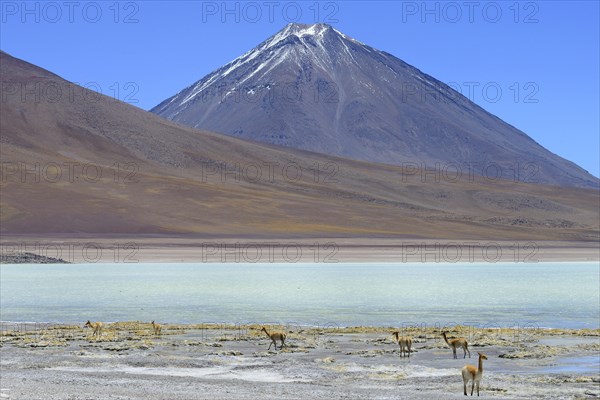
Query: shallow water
[[561, 295], [582, 365]]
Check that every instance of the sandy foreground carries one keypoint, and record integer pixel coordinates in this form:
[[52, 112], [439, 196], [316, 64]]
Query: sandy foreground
[[123, 249], [42, 361]]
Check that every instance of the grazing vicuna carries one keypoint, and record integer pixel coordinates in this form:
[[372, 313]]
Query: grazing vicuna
[[405, 343], [472, 373], [281, 336], [96, 326], [157, 328], [455, 343]]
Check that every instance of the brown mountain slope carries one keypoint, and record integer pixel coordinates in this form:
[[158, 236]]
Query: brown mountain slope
[[158, 177]]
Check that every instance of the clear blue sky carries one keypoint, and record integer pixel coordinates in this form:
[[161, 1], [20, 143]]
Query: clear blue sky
[[544, 56]]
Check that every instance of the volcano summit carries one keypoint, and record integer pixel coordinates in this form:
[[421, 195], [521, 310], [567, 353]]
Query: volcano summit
[[312, 87]]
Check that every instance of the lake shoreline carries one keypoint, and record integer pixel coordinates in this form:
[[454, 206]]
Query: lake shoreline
[[26, 326], [198, 249], [186, 362]]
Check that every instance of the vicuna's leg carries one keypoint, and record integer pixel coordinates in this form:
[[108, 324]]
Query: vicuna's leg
[[409, 346], [467, 349], [282, 342], [472, 387], [466, 376], [454, 352], [271, 344], [477, 388]]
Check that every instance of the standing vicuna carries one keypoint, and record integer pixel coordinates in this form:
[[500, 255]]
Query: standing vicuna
[[459, 342], [281, 336], [96, 326], [157, 328], [470, 373], [405, 343]]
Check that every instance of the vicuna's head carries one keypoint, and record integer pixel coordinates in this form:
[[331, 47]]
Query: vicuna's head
[[152, 322], [88, 324], [396, 334], [263, 329], [482, 356]]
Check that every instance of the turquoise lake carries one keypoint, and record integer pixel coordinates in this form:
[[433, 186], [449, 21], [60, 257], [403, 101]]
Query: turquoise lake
[[559, 295]]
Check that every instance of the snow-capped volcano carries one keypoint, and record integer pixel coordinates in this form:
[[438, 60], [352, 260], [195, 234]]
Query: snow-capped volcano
[[314, 88], [266, 57]]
